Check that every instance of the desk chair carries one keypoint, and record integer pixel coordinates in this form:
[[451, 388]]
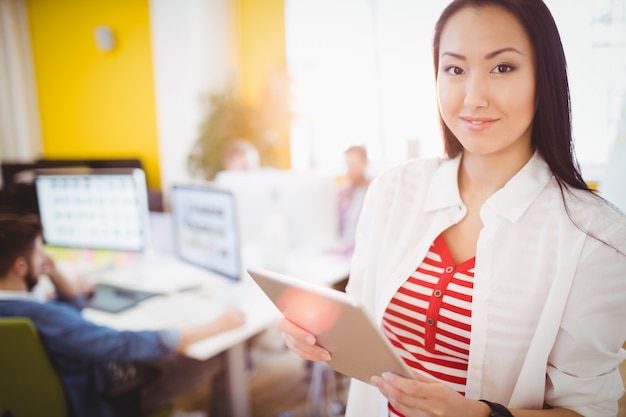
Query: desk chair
[[29, 385], [28, 382]]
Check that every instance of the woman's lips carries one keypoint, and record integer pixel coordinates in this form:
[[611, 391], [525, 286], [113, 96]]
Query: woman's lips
[[477, 124]]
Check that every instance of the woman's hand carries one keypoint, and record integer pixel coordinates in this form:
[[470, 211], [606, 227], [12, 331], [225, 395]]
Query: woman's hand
[[424, 397], [301, 342]]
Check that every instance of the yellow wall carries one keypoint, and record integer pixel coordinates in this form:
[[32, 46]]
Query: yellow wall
[[95, 104], [262, 56], [261, 43]]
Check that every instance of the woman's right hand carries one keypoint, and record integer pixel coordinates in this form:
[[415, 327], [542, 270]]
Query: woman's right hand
[[301, 342]]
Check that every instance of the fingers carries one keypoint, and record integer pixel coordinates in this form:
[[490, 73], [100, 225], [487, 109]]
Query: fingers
[[386, 383], [402, 393], [297, 332], [420, 396], [423, 378], [403, 384], [301, 342]]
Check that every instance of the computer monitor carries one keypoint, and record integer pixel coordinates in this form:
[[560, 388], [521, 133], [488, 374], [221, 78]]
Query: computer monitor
[[102, 209], [205, 228], [13, 172], [18, 192], [307, 201]]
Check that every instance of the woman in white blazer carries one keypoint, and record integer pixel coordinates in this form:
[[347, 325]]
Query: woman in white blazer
[[548, 303]]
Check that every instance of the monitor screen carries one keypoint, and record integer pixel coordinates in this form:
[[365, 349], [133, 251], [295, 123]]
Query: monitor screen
[[103, 209], [205, 228], [306, 201]]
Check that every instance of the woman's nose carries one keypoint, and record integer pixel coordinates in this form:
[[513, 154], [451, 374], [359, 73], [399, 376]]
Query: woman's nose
[[476, 92]]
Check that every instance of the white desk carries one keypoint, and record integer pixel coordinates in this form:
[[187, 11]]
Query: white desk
[[202, 305], [205, 303]]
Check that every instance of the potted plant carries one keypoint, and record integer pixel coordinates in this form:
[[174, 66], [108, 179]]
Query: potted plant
[[265, 125]]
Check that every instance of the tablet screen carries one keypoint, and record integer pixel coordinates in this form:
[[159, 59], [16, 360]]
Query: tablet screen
[[357, 346]]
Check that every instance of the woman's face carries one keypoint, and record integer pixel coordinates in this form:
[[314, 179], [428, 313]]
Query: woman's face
[[486, 81]]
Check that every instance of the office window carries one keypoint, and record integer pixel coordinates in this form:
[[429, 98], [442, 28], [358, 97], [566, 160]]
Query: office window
[[362, 73]]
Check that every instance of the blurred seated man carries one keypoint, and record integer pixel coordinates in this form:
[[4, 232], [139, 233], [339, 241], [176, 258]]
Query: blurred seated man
[[95, 362], [352, 194], [240, 155]]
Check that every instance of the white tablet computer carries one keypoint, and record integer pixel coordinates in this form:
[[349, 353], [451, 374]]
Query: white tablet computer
[[357, 346]]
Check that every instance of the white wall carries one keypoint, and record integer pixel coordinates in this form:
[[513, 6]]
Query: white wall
[[594, 38], [363, 75], [194, 55]]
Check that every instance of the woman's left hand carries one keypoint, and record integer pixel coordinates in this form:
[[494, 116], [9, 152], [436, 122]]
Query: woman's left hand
[[425, 397]]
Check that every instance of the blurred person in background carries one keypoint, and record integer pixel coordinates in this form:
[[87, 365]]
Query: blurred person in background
[[240, 155], [352, 194], [104, 372]]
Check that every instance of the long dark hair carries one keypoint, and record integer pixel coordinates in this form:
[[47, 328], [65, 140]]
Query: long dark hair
[[552, 125]]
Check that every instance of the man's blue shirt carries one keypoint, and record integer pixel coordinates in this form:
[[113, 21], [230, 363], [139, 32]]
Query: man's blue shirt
[[81, 351]]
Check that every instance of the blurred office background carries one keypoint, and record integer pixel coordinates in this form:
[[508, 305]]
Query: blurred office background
[[138, 78], [153, 80]]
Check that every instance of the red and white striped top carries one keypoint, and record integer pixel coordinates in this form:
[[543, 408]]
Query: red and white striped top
[[429, 318]]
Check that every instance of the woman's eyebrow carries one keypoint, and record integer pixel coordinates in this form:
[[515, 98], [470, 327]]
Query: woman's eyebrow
[[488, 56], [453, 55], [500, 51]]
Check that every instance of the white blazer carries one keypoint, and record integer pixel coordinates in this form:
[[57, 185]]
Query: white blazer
[[549, 300]]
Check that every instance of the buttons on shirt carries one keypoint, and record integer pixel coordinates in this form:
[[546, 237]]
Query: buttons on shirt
[[438, 293], [430, 321], [449, 269]]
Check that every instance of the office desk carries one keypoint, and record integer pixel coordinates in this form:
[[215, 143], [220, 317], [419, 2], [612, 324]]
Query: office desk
[[200, 305], [206, 302]]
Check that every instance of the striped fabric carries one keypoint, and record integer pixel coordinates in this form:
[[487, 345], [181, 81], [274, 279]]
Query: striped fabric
[[429, 318]]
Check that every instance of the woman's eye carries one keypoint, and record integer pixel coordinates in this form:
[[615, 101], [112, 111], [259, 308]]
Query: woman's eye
[[452, 70], [502, 68]]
